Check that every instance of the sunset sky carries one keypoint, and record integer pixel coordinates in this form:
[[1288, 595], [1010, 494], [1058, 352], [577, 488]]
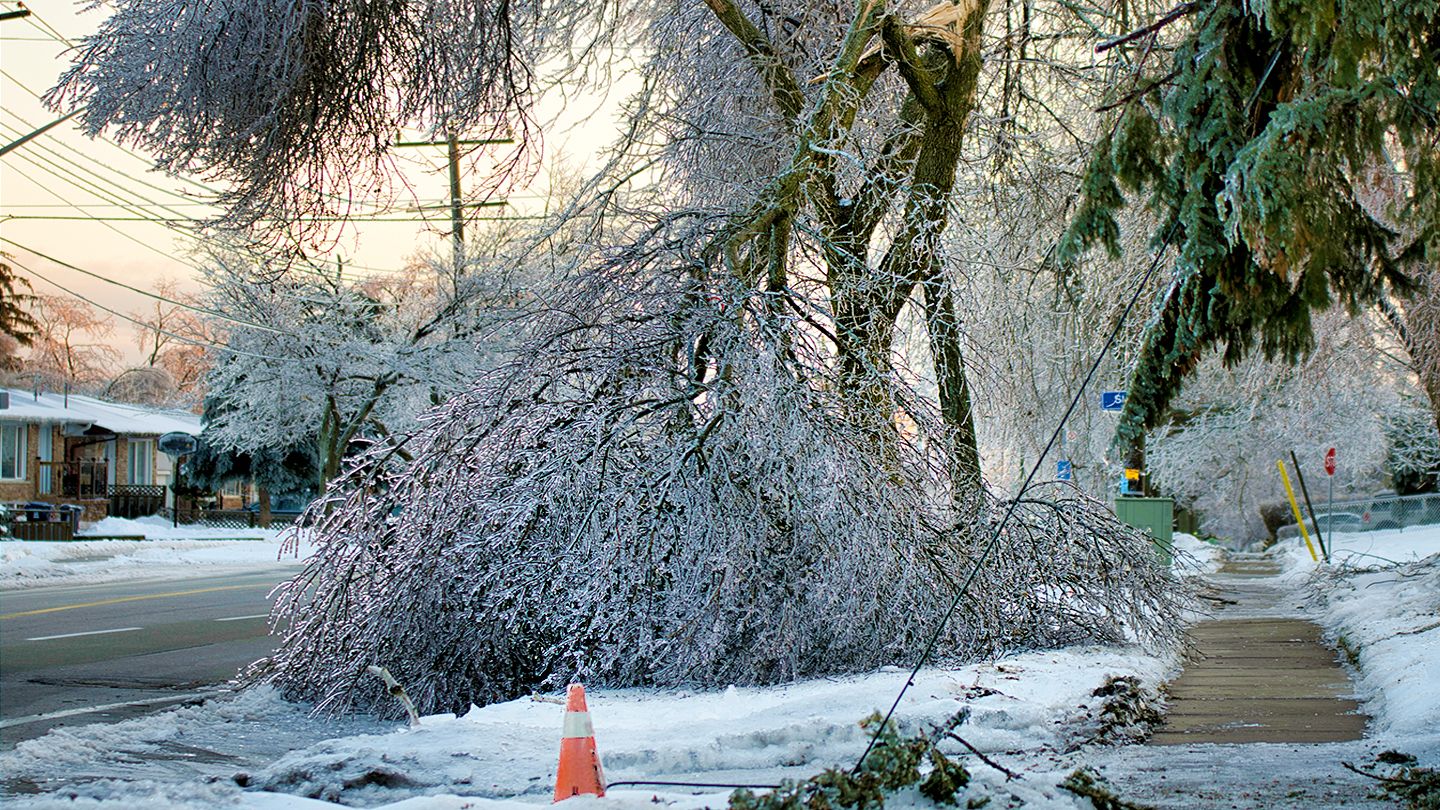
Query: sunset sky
[[92, 203]]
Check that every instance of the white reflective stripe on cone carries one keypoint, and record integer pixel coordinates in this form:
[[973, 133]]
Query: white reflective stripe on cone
[[577, 724]]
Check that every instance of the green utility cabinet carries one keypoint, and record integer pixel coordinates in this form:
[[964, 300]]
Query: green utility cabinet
[[1153, 515]]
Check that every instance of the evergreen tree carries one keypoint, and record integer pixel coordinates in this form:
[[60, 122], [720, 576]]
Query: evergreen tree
[[1255, 146], [15, 321]]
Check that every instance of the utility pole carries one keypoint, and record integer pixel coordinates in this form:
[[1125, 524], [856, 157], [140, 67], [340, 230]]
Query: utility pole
[[452, 144], [457, 224]]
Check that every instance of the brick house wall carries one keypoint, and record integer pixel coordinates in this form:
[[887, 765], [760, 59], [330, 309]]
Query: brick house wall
[[25, 490], [122, 460]]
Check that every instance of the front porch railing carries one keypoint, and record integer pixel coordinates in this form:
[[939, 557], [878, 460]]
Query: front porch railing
[[74, 479]]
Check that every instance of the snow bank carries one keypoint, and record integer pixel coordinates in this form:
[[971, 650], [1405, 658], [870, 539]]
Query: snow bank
[[1380, 602], [166, 552], [1025, 709], [158, 528], [1195, 557], [1362, 548]]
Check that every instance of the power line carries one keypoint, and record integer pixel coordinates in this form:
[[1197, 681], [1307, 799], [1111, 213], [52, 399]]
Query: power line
[[420, 206], [151, 327], [48, 190], [180, 218], [181, 222], [106, 194], [95, 183], [202, 310], [1010, 510], [150, 164], [46, 28]]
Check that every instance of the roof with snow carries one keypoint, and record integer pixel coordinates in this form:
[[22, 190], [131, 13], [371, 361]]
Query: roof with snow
[[116, 417]]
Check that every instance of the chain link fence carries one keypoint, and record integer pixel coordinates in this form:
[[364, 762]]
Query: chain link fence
[[227, 518], [1378, 513]]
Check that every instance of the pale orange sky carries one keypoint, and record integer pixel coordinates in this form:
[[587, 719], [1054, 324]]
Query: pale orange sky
[[53, 174]]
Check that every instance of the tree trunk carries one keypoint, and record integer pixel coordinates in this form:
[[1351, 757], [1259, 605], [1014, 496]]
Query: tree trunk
[[264, 493], [943, 325], [1422, 322]]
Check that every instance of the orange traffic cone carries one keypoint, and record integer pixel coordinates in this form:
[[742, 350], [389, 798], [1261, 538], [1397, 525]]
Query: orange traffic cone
[[579, 770]]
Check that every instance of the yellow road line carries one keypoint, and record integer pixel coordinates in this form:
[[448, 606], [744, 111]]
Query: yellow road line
[[117, 600]]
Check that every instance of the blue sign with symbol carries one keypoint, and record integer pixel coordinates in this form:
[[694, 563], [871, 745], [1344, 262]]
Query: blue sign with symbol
[[1064, 471], [1112, 400]]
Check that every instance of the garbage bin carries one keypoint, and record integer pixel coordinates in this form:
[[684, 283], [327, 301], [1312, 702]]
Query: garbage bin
[[71, 512], [1155, 516], [37, 511]]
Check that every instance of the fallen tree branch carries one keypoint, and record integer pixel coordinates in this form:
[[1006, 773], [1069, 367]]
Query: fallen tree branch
[[1391, 780], [1009, 774], [1179, 11]]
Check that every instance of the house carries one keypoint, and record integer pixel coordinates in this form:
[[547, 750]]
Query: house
[[72, 449]]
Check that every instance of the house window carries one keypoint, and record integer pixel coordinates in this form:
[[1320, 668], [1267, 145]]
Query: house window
[[142, 461], [12, 452]]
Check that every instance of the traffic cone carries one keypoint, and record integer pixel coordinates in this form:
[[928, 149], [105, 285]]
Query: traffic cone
[[579, 770]]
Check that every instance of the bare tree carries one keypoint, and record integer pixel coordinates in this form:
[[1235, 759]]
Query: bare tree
[[71, 345], [173, 338]]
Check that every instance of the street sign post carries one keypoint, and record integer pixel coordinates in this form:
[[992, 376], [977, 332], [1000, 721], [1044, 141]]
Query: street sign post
[[1112, 400], [1330, 499], [1064, 470]]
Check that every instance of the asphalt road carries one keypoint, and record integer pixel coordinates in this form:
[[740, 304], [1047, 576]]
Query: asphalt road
[[72, 655]]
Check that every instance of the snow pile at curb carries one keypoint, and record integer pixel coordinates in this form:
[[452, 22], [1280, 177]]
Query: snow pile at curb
[[1026, 711], [1195, 557], [166, 553]]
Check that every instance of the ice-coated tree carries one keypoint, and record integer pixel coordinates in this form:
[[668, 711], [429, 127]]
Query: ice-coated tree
[[708, 463], [1254, 141], [1216, 452], [1414, 319], [71, 347], [334, 360], [294, 106]]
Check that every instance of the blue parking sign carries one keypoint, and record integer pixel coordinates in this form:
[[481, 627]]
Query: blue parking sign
[[1112, 400], [1064, 471]]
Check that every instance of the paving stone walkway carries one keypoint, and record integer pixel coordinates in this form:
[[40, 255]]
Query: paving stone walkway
[[1259, 677]]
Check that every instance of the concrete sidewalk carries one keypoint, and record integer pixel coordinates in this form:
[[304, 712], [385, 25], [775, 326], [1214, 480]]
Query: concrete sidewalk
[[1260, 677]]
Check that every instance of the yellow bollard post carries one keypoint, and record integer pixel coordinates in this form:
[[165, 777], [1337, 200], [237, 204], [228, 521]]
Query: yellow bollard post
[[1295, 508]]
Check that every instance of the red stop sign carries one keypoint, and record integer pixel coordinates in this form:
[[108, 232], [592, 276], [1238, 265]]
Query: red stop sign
[[1330, 461]]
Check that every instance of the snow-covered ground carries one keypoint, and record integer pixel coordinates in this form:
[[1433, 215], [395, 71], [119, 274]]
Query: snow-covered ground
[[1028, 710], [1033, 713], [1379, 602], [166, 552], [1348, 550]]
